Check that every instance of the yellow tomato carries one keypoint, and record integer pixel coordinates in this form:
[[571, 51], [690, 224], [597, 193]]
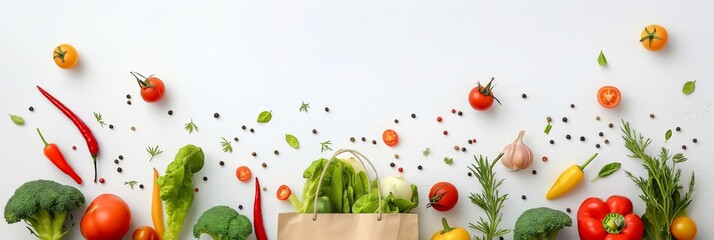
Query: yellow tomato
[[65, 56], [654, 37], [683, 228]]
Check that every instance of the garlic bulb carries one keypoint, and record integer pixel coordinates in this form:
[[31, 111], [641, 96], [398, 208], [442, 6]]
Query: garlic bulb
[[517, 155]]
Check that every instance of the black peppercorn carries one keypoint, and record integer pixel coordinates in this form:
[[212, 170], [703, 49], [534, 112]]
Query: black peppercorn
[[31, 108], [552, 142], [252, 131], [597, 145], [243, 127], [609, 125], [523, 197], [121, 157], [392, 164], [314, 131], [568, 210], [240, 207], [265, 165], [216, 115], [460, 113], [327, 109], [119, 169], [116, 161], [601, 134], [470, 142], [694, 140], [111, 126], [171, 112], [565, 119], [419, 167], [582, 138], [684, 147], [205, 178], [352, 139], [534, 172], [652, 115], [607, 141], [133, 128], [678, 129], [500, 237], [413, 115], [572, 105], [364, 139], [221, 163], [128, 102], [235, 139], [254, 154], [128, 96], [374, 142], [567, 136], [396, 120], [463, 149], [141, 186], [276, 152], [523, 95], [469, 173]]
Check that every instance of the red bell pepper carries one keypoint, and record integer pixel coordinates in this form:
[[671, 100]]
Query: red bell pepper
[[611, 220]]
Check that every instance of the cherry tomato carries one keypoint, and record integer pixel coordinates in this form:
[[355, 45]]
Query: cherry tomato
[[145, 233], [390, 137], [443, 196], [654, 37], [152, 88], [608, 96], [107, 218], [481, 98], [683, 228], [65, 56], [243, 173], [283, 192]]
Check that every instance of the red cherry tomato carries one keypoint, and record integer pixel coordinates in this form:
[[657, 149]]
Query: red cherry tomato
[[481, 98], [145, 233], [107, 218], [152, 88], [443, 196]]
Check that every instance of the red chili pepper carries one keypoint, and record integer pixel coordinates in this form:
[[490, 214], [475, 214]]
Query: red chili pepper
[[612, 219], [258, 215], [53, 153], [92, 143]]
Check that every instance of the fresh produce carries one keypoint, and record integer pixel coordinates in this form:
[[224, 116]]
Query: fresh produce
[[450, 233], [396, 185], [258, 214], [107, 218], [265, 116], [517, 155], [157, 209], [243, 173], [609, 96], [664, 196], [390, 137], [284, 193], [223, 223], [369, 203], [43, 205], [601, 60], [65, 56], [92, 143], [490, 199], [568, 180], [145, 233], [611, 219], [152, 88], [481, 98], [191, 127], [176, 187], [53, 153], [689, 87], [292, 141], [17, 120], [153, 151], [226, 145], [607, 170], [654, 37], [540, 224], [683, 228], [443, 196]]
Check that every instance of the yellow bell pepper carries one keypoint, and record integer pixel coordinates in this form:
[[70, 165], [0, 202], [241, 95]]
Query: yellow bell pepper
[[568, 180], [451, 233]]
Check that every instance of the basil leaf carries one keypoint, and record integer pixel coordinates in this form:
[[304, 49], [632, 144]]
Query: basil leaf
[[667, 135], [689, 87], [547, 129], [17, 120], [601, 59], [292, 141], [265, 116], [608, 170]]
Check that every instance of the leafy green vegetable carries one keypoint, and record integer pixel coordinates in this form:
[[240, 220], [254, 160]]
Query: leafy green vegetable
[[547, 129], [601, 59], [223, 222], [190, 127], [265, 116], [98, 116], [541, 224], [325, 146], [667, 135], [17, 120], [689, 87], [490, 199], [177, 188], [153, 151], [304, 106], [426, 152], [448, 160], [226, 145], [607, 170], [131, 184], [292, 141]]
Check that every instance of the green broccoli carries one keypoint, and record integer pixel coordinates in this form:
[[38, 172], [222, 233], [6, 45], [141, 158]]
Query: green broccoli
[[223, 223], [43, 205], [540, 224]]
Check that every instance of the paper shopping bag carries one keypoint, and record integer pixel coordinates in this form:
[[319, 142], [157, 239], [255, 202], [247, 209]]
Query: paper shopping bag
[[395, 226]]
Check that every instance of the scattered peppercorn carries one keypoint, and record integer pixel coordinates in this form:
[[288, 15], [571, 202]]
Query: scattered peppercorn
[[265, 165], [221, 163], [276, 152], [582, 139], [565, 119], [544, 158], [74, 148], [597, 145], [240, 207], [128, 96], [694, 140], [101, 180], [254, 154], [364, 139], [128, 102], [252, 131], [116, 161], [548, 119], [456, 147], [453, 110], [111, 126], [216, 115], [401, 169], [463, 149], [195, 189], [470, 142], [607, 141], [438, 119], [327, 109], [678, 129], [609, 125], [597, 118], [265, 188], [171, 112], [500, 237], [474, 140], [314, 131], [552, 142], [601, 134], [572, 105], [243, 127], [523, 95], [461, 113], [523, 197], [374, 142], [119, 169], [121, 157], [352, 139], [446, 132], [133, 128], [235, 139], [652, 115], [396, 120], [413, 115], [396, 156], [205, 178], [419, 167], [392, 164], [31, 108], [568, 210], [469, 174], [567, 136], [534, 172], [684, 147], [141, 186]]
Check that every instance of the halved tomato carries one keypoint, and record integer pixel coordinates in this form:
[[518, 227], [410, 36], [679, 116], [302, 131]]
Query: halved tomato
[[243, 173], [390, 137], [283, 192], [609, 96]]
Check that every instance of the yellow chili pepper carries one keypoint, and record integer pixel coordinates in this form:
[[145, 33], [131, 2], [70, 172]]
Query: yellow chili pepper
[[451, 233], [568, 180]]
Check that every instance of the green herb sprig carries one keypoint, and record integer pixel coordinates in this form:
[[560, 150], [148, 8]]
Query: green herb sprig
[[226, 145], [304, 107], [426, 151], [490, 199], [131, 184], [325, 146], [448, 160], [190, 127], [153, 151], [98, 116]]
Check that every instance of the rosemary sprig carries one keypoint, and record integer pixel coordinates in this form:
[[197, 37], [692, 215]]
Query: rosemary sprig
[[153, 151], [661, 189], [325, 146], [426, 152], [98, 116], [226, 145], [304, 106], [190, 127], [131, 184], [490, 199]]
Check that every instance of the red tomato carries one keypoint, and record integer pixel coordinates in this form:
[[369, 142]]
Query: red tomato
[[390, 137], [283, 192], [107, 218], [481, 98], [243, 173], [443, 196], [145, 233], [608, 96], [152, 88]]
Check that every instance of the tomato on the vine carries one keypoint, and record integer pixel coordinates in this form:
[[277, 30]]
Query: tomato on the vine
[[608, 96], [152, 88], [481, 98], [654, 37], [683, 228], [443, 196], [65, 56]]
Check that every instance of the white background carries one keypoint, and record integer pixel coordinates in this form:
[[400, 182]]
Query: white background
[[370, 62]]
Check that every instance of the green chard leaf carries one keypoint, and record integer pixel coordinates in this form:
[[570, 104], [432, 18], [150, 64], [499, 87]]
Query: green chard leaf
[[17, 120], [667, 135], [608, 170], [601, 59], [292, 141], [689, 87], [265, 116]]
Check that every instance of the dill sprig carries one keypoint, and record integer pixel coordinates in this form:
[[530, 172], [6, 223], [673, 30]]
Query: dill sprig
[[153, 151], [226, 145]]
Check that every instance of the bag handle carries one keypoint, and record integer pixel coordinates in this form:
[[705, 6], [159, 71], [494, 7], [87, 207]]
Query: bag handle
[[360, 157]]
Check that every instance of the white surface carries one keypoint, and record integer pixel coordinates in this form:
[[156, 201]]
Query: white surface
[[370, 62]]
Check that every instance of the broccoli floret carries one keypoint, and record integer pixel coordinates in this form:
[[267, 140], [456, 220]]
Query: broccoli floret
[[43, 205], [540, 224], [223, 223]]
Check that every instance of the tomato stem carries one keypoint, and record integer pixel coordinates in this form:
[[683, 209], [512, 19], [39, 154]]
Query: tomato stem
[[60, 54], [488, 90], [145, 83]]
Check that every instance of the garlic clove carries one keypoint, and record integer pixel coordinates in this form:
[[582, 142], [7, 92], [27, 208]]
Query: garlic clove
[[517, 155]]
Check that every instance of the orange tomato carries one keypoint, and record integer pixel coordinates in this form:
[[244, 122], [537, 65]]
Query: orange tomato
[[683, 228], [390, 137], [65, 56], [654, 37], [608, 96], [243, 173], [145, 233], [283, 192], [107, 218]]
